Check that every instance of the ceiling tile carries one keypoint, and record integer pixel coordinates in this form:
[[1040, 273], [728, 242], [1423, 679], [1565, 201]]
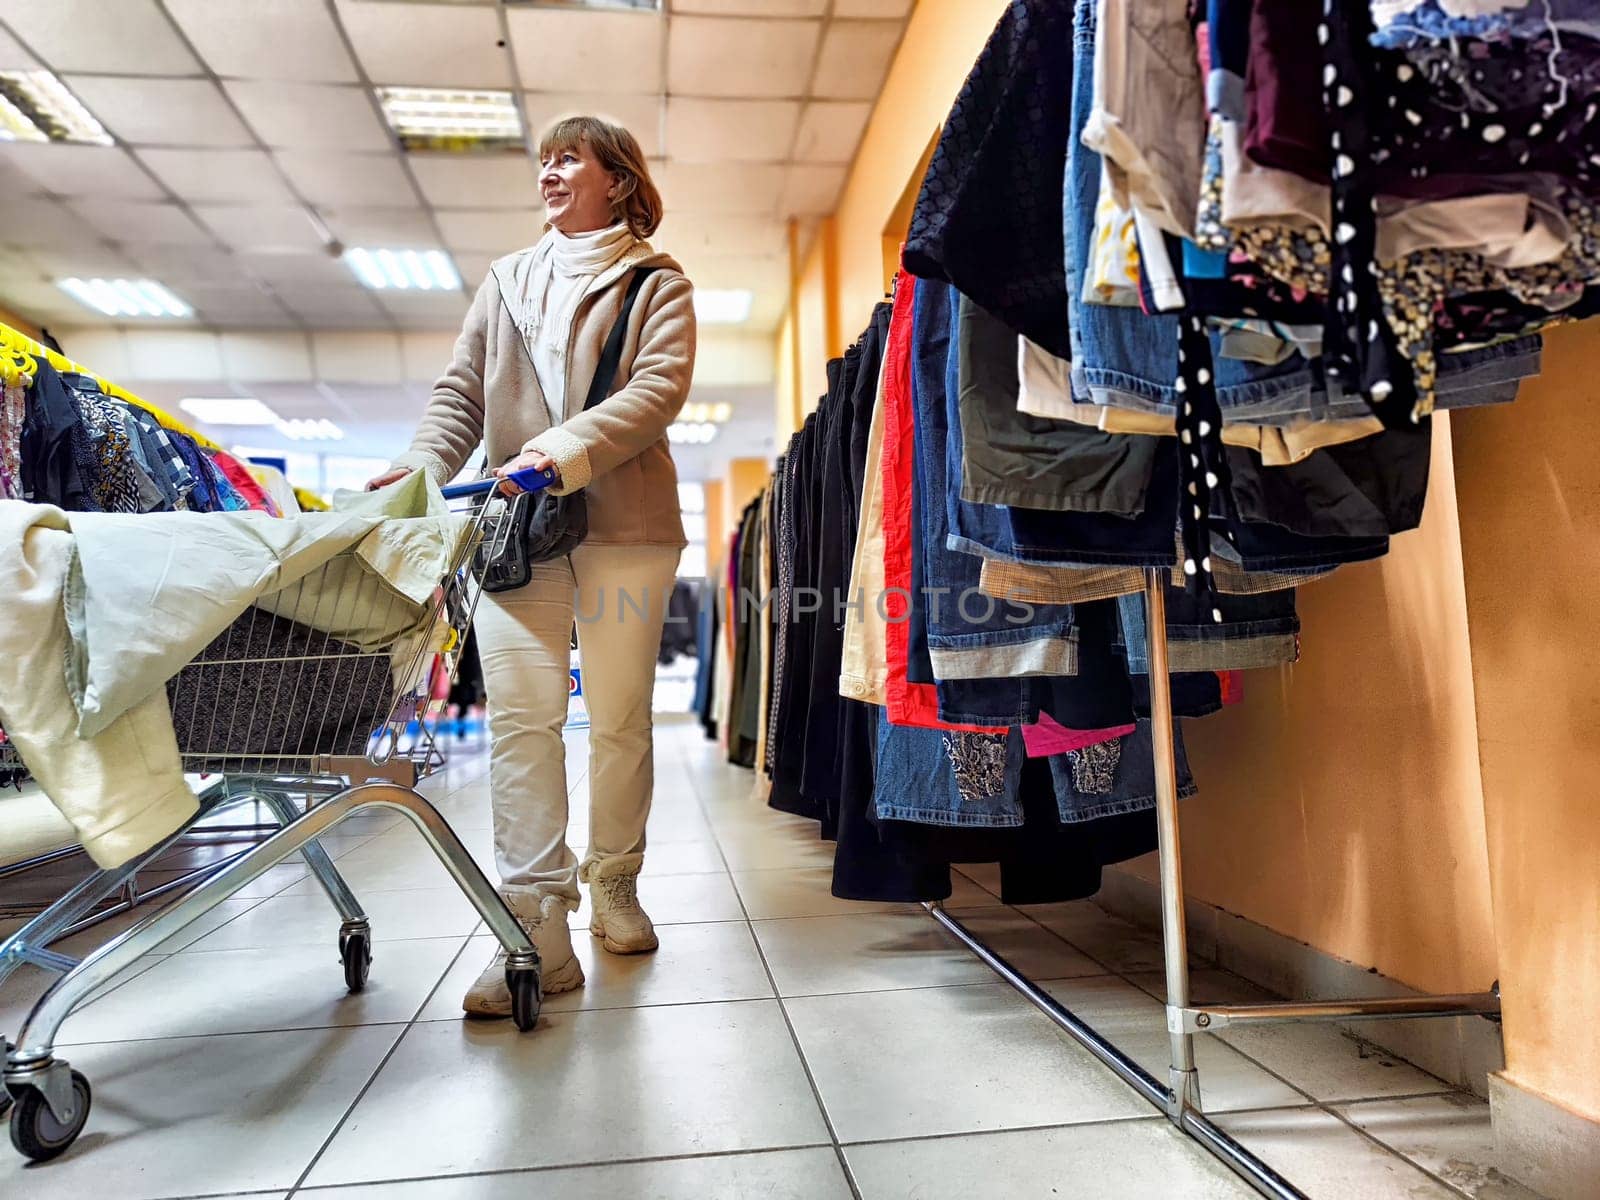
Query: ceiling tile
[[639, 115], [489, 232], [473, 266], [127, 37], [812, 191], [855, 59], [301, 272], [219, 176], [427, 45], [422, 310], [251, 227], [328, 177], [476, 180], [184, 268], [34, 222], [161, 112], [693, 237], [760, 274], [883, 9], [720, 187], [830, 131], [266, 39], [137, 225], [370, 357], [568, 51], [66, 170], [730, 130], [351, 307], [393, 227], [310, 116], [751, 8], [241, 306], [12, 55], [712, 56]]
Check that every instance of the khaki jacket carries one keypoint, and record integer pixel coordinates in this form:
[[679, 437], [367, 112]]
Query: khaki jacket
[[617, 451]]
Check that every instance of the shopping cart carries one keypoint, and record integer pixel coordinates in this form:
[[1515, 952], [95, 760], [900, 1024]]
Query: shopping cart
[[286, 712]]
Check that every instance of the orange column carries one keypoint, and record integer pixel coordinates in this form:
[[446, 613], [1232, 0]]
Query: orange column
[[717, 529]]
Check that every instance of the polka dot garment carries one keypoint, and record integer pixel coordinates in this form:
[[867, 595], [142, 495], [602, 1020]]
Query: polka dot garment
[[1202, 461], [1358, 344]]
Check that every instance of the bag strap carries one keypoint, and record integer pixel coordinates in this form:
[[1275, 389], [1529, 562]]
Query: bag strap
[[611, 357]]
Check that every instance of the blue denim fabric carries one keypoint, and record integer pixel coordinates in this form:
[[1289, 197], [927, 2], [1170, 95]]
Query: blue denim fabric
[[936, 420], [1256, 631], [1114, 777], [939, 778]]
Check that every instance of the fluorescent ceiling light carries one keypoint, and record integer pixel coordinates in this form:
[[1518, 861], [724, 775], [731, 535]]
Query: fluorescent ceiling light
[[35, 106], [229, 410], [452, 118], [700, 413], [692, 433], [125, 297], [713, 307], [301, 430], [422, 270]]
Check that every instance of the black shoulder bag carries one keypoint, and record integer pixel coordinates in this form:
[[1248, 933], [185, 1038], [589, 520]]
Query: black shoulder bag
[[537, 526]]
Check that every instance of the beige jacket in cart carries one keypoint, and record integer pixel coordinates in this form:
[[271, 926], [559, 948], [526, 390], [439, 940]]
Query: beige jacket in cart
[[617, 451]]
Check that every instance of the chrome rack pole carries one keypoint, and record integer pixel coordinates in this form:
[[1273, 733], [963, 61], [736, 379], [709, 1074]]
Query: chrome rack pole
[[1216, 1141], [1184, 1079]]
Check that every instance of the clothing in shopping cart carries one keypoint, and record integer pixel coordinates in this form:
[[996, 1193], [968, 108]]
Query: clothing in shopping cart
[[104, 609]]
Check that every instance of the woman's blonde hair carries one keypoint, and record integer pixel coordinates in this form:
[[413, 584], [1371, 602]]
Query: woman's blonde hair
[[637, 201]]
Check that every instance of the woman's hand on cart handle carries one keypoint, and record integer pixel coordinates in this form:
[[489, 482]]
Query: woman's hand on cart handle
[[392, 475], [528, 460]]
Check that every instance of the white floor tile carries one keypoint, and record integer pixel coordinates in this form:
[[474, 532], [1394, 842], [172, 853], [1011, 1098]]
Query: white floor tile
[[773, 1174], [1329, 1063], [864, 952], [204, 1115], [248, 991], [1120, 945], [310, 920], [1021, 941], [1122, 1160], [949, 1060], [1328, 1160], [1449, 1136], [1136, 1023], [773, 895], [466, 1097]]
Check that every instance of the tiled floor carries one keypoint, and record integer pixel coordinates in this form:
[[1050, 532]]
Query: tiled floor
[[782, 1043]]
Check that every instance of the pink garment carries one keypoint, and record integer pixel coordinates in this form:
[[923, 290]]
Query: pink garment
[[1049, 736]]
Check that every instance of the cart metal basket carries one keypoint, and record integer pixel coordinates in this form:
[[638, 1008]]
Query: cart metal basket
[[306, 706]]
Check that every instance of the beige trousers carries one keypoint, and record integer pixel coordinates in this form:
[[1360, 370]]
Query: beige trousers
[[618, 596]]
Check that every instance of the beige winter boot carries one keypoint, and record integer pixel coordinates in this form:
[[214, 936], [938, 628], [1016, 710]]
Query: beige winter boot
[[614, 897], [560, 970]]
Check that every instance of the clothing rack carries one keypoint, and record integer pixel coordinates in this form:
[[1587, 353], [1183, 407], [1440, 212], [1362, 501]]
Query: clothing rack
[[1180, 1096], [19, 355]]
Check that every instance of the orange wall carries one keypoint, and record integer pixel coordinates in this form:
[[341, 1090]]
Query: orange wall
[[1341, 803], [1530, 504], [943, 39]]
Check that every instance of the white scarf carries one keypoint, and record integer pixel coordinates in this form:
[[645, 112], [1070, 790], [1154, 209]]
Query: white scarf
[[550, 282]]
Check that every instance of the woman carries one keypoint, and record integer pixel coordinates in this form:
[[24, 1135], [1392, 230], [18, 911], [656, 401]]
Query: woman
[[523, 367]]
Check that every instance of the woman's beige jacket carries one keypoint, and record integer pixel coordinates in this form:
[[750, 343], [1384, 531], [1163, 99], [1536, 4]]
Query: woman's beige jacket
[[617, 451]]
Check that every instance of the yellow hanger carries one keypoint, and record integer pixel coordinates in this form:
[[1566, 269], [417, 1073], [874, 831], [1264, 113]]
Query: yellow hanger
[[19, 357]]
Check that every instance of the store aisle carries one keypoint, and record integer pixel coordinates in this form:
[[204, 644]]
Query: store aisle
[[781, 1043]]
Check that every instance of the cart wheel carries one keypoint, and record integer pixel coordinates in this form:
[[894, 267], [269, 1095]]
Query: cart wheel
[[36, 1133], [357, 954], [525, 997]]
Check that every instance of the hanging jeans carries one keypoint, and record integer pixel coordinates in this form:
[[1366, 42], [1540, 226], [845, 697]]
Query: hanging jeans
[[619, 596]]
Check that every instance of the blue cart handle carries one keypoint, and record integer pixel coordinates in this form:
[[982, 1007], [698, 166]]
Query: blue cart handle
[[529, 481]]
